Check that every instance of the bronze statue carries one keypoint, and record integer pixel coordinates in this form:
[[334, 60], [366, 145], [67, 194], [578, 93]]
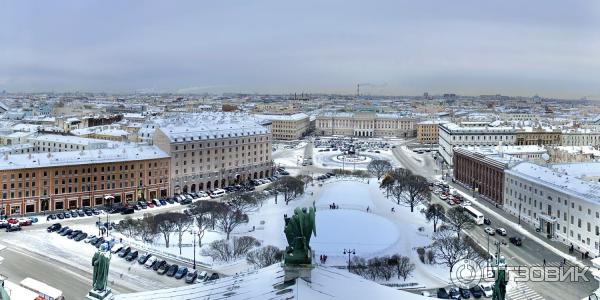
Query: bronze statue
[[101, 262], [298, 230]]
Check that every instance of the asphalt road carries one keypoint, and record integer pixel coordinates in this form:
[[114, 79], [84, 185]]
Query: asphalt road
[[19, 264], [74, 280], [530, 253]]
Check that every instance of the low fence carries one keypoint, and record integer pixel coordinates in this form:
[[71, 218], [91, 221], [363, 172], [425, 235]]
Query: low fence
[[165, 254]]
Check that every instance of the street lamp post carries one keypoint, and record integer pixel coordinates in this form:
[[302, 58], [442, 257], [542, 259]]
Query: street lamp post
[[194, 234], [349, 252], [99, 222]]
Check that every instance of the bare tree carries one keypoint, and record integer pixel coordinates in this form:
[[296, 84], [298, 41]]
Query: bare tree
[[243, 201], [219, 250], [405, 267], [182, 224], [202, 213], [146, 228], [417, 191], [434, 213], [396, 177], [290, 187], [449, 248], [225, 250], [127, 227], [228, 218], [305, 178], [243, 244], [265, 256], [379, 167], [459, 220], [165, 224]]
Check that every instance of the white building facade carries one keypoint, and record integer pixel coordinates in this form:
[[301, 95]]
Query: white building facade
[[452, 135], [365, 124], [562, 206]]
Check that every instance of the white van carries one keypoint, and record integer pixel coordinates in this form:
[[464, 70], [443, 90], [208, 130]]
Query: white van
[[218, 193]]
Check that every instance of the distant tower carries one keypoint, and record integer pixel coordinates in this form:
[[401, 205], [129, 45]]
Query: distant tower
[[358, 90]]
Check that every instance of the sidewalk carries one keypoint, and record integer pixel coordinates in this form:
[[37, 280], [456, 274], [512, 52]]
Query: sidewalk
[[558, 247]]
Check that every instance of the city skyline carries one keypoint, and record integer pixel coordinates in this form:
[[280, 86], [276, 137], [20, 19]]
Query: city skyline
[[401, 48]]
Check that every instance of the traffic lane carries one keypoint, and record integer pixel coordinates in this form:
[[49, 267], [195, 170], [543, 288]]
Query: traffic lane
[[74, 283], [528, 254]]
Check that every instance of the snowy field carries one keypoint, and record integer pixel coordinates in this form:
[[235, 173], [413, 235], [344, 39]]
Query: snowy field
[[375, 233]]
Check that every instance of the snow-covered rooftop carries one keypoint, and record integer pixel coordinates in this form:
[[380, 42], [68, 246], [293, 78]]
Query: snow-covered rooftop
[[38, 160], [293, 117], [567, 184], [208, 125], [268, 283], [67, 139]]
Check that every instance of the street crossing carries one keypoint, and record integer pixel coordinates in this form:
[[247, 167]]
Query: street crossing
[[523, 292]]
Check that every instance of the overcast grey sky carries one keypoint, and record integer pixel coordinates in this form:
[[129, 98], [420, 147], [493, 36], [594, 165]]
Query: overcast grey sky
[[512, 47]]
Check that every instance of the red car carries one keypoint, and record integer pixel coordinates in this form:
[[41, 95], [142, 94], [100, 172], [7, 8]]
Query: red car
[[13, 221], [150, 204]]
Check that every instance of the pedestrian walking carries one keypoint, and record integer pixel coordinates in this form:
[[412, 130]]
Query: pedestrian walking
[[544, 261]]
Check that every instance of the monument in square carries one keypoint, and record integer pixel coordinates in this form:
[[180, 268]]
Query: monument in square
[[101, 263]]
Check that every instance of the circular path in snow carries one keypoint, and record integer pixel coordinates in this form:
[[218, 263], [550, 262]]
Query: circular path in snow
[[367, 233]]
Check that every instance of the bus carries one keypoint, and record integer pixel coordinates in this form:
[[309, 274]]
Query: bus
[[17, 292], [44, 291], [475, 214]]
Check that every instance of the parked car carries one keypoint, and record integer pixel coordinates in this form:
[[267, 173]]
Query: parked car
[[143, 258], [80, 237], [123, 252], [25, 221], [131, 256], [517, 241], [99, 242], [490, 231], [453, 293], [54, 227], [214, 276], [3, 223], [67, 232], [182, 271], [116, 248], [202, 275], [89, 238], [89, 212], [487, 221], [172, 270], [162, 202], [150, 262], [476, 291], [13, 227], [158, 264], [127, 211], [442, 294], [60, 216], [150, 204], [156, 202], [95, 211], [501, 231], [163, 269], [73, 234], [60, 231], [464, 293], [191, 276], [51, 217]]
